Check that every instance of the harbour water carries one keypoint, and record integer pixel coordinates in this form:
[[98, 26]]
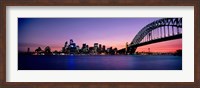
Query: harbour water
[[107, 62]]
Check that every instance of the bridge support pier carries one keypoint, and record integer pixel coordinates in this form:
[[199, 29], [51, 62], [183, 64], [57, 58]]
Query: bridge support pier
[[131, 50]]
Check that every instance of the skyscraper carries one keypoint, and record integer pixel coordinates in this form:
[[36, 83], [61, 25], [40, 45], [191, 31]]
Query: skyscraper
[[71, 41], [77, 49], [95, 48], [99, 49], [28, 50], [84, 48], [72, 47], [104, 48], [65, 44], [64, 49], [126, 49]]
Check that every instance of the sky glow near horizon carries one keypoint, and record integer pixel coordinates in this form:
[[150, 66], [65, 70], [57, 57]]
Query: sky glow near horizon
[[111, 32]]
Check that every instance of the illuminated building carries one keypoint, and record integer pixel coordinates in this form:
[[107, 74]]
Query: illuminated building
[[84, 48], [95, 48], [72, 47]]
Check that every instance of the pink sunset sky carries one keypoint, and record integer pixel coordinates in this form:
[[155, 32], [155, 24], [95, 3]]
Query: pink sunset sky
[[111, 32]]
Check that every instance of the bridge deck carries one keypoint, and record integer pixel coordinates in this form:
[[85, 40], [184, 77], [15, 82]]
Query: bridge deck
[[178, 36]]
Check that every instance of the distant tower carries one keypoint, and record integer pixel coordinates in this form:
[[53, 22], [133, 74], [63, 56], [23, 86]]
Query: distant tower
[[149, 50], [95, 48], [66, 44], [71, 41], [77, 49], [72, 47], [126, 50], [99, 48], [64, 49], [28, 50], [104, 48], [87, 47]]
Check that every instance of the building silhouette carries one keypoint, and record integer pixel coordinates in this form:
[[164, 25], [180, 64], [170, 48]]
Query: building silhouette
[[47, 51], [95, 48], [72, 47], [38, 51], [65, 48], [28, 50], [84, 48], [126, 49], [99, 49]]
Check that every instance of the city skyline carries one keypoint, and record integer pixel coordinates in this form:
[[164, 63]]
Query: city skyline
[[111, 32]]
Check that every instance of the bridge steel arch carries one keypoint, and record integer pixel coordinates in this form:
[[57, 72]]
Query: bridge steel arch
[[174, 22], [148, 30]]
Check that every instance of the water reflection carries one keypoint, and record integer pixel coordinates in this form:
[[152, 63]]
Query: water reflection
[[71, 62], [121, 62]]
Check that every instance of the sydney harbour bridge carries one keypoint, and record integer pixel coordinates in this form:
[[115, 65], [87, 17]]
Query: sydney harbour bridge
[[158, 31]]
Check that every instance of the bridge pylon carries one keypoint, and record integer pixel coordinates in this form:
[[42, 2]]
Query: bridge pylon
[[131, 50]]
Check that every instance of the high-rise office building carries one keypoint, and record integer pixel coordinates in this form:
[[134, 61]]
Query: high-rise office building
[[84, 48], [99, 48], [72, 47], [64, 49], [71, 41], [104, 48], [95, 48], [28, 50], [77, 49]]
